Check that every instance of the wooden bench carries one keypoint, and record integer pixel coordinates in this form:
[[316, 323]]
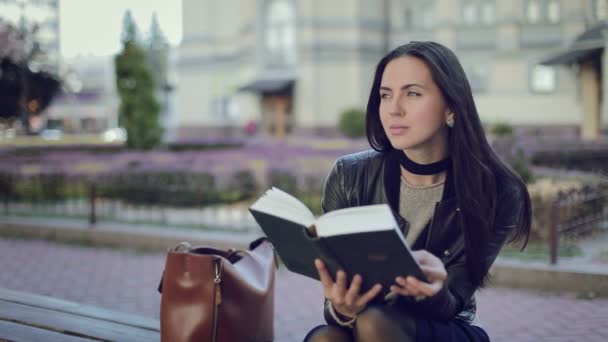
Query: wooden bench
[[29, 317]]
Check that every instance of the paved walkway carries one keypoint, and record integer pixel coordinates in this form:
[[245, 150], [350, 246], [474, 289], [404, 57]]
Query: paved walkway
[[127, 280]]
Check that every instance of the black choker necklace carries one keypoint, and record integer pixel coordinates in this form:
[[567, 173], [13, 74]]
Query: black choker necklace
[[421, 169]]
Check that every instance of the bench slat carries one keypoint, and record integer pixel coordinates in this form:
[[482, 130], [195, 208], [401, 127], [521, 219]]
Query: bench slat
[[17, 332], [61, 305], [74, 324]]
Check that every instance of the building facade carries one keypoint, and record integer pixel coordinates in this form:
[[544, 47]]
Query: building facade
[[89, 102], [43, 14], [293, 66]]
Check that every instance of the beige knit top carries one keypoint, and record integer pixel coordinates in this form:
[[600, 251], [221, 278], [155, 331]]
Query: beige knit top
[[417, 204]]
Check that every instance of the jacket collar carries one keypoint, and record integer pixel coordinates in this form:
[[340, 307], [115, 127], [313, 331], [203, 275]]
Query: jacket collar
[[392, 181]]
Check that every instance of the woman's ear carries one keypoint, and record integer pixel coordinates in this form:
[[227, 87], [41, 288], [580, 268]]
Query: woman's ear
[[449, 119]]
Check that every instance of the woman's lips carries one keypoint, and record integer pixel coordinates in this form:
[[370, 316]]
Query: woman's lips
[[398, 130]]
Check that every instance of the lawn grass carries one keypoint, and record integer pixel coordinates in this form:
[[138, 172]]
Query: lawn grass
[[604, 255], [135, 222], [540, 251]]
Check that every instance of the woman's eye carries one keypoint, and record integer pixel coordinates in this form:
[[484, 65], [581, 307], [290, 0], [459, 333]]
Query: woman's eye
[[384, 96], [411, 93]]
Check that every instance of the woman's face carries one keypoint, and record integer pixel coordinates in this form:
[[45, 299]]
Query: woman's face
[[413, 111]]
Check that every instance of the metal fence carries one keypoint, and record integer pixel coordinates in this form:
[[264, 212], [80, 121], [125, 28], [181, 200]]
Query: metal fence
[[201, 201], [577, 213], [189, 202]]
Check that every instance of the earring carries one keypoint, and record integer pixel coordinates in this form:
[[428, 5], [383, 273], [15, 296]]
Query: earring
[[450, 121]]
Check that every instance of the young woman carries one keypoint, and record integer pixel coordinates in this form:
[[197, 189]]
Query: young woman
[[458, 203]]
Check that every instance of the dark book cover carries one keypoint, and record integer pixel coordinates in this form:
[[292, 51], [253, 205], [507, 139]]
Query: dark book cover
[[378, 256]]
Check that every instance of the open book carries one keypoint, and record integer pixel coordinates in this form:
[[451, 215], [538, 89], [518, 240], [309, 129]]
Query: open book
[[363, 240]]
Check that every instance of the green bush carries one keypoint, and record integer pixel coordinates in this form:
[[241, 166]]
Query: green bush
[[501, 129], [160, 188], [6, 185], [284, 180], [311, 192], [179, 189], [241, 185], [352, 123], [521, 165], [585, 158]]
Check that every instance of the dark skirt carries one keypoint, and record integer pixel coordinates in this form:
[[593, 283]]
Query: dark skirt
[[440, 331], [453, 330]]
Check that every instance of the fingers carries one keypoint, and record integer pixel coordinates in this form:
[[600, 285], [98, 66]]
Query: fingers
[[424, 257], [411, 286], [326, 279], [430, 265], [353, 291], [369, 295], [332, 290], [420, 288], [339, 288], [345, 300], [402, 288], [434, 273]]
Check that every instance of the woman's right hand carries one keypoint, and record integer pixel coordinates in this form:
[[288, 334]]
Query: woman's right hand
[[347, 302]]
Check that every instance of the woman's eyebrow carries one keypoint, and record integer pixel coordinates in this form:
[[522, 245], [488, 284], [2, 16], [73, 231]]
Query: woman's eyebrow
[[409, 85], [404, 87]]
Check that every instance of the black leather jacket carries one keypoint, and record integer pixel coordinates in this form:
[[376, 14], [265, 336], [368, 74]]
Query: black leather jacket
[[372, 177]]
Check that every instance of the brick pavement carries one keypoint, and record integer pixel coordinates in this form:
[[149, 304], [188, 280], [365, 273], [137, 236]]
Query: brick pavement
[[126, 281]]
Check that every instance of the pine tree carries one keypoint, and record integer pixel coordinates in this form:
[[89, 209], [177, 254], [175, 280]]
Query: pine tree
[[158, 59], [158, 53], [139, 110]]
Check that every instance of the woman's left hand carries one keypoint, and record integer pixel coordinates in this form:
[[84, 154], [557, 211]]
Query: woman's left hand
[[433, 269]]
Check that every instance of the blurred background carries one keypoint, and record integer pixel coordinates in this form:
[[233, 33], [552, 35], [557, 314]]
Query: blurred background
[[172, 117]]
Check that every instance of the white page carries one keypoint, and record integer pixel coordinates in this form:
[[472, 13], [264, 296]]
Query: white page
[[282, 195], [369, 218], [281, 204]]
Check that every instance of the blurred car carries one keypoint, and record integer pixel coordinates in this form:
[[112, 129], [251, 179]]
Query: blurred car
[[51, 134], [116, 134]]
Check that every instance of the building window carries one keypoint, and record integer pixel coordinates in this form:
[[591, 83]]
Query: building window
[[408, 19], [280, 34], [476, 12], [601, 9], [533, 11], [478, 76], [419, 17], [543, 79], [553, 12], [224, 108], [543, 11], [469, 14], [427, 18], [488, 13]]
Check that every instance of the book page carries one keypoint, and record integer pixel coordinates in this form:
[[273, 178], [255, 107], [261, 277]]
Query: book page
[[356, 220], [279, 203]]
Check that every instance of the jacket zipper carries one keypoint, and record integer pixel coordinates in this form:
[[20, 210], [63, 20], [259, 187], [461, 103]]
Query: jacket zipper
[[218, 296], [428, 237]]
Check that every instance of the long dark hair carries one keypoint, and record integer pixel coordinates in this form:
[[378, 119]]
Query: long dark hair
[[475, 167]]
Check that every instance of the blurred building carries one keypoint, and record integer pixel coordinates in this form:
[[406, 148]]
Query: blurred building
[[88, 102], [43, 14], [587, 57], [294, 66]]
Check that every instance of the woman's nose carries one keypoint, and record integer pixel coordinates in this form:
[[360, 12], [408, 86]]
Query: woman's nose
[[395, 108]]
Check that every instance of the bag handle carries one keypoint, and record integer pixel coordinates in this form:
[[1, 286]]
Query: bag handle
[[255, 243], [232, 255]]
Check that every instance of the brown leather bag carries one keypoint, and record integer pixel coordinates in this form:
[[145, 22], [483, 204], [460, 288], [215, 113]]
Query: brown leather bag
[[214, 295]]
